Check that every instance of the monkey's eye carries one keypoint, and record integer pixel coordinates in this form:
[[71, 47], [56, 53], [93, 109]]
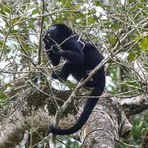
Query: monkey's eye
[[48, 34]]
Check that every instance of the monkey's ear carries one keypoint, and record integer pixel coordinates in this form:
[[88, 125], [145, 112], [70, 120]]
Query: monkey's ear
[[52, 33]]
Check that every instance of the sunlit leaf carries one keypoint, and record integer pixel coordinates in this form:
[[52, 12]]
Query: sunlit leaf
[[68, 3], [35, 11], [5, 8], [138, 38], [144, 44], [8, 85], [134, 53]]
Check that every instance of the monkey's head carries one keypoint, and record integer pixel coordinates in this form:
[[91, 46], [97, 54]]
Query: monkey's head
[[57, 34], [53, 37]]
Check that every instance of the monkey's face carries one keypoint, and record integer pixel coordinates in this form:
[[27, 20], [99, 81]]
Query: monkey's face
[[58, 33], [53, 39], [52, 49]]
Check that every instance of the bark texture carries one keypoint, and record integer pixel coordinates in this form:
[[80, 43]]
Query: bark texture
[[107, 123]]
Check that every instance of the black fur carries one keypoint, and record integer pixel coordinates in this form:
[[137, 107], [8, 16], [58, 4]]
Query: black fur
[[81, 57]]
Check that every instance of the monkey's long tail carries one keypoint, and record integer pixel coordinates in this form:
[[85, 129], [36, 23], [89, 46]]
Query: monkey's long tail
[[88, 108]]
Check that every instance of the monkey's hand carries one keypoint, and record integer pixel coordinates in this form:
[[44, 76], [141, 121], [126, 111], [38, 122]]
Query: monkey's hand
[[55, 74], [56, 50], [86, 74], [58, 75]]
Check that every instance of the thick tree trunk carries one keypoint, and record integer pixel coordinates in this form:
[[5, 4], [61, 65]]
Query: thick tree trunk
[[107, 123]]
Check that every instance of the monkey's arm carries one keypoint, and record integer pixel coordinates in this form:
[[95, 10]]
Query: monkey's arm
[[73, 57], [54, 58], [64, 73], [73, 53]]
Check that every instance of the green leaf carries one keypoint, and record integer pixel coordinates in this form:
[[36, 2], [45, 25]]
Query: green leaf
[[98, 3], [2, 95], [91, 20], [14, 31], [1, 43], [68, 3], [63, 2], [8, 85], [144, 44], [138, 38], [5, 8], [35, 11], [113, 40], [92, 11], [132, 84], [19, 19], [133, 55]]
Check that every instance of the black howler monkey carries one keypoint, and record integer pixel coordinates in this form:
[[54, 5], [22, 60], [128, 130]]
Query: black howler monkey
[[81, 57]]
